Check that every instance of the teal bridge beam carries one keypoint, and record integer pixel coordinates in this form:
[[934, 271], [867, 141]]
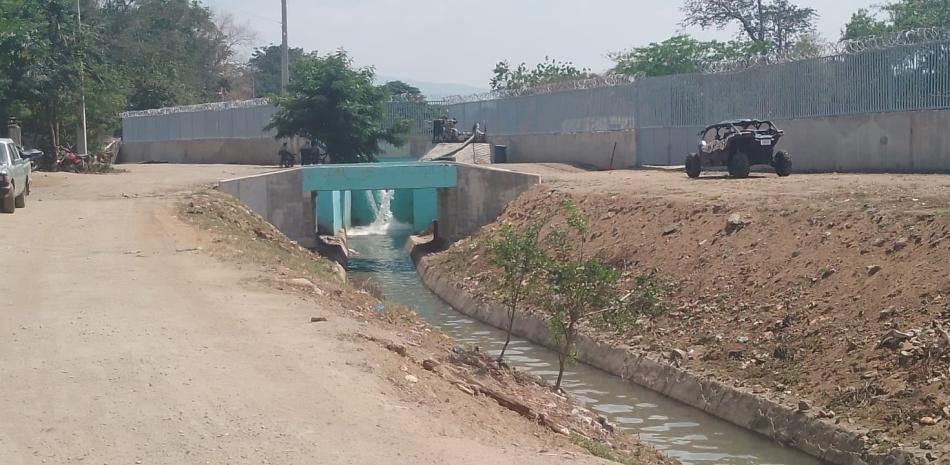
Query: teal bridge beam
[[333, 185], [379, 176]]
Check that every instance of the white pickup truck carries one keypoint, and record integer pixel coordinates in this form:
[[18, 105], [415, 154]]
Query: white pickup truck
[[14, 177]]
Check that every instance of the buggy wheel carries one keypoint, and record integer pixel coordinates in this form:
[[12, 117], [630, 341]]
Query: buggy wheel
[[693, 165], [782, 164], [739, 165]]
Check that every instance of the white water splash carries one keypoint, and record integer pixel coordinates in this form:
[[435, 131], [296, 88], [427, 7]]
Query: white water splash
[[384, 222]]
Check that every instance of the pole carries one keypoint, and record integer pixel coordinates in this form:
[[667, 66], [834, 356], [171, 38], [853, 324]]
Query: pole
[[284, 53], [82, 146]]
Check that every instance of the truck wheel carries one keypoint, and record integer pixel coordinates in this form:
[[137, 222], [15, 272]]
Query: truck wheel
[[8, 204], [783, 164], [693, 165], [20, 200], [739, 165]]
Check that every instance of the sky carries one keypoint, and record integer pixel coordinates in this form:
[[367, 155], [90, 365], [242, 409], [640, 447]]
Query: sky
[[455, 41]]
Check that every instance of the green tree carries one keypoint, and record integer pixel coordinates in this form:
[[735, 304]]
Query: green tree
[[863, 23], [775, 24], [576, 288], [399, 90], [518, 255], [170, 52], [522, 78], [677, 55], [899, 16], [264, 67], [135, 54], [333, 101]]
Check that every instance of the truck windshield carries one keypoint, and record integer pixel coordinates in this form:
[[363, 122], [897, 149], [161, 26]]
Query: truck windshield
[[4, 156]]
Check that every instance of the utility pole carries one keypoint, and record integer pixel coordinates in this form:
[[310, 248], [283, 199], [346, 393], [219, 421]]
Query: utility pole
[[81, 143], [284, 53]]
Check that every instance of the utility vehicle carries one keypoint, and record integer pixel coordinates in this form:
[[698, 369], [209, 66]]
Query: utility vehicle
[[739, 144]]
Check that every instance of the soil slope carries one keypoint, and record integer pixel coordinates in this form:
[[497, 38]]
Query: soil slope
[[833, 289]]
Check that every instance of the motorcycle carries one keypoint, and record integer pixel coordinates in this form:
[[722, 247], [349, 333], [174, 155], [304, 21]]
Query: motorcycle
[[34, 156], [69, 161]]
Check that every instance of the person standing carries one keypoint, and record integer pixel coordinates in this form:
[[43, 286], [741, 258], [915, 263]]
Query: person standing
[[286, 157]]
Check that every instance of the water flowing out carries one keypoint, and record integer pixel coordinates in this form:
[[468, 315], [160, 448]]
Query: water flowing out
[[682, 432], [384, 221]]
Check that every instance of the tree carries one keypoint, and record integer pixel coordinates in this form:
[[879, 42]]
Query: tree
[[521, 78], [899, 16], [264, 68], [775, 24], [863, 23], [399, 90], [517, 253], [169, 52], [335, 102], [677, 55], [576, 288]]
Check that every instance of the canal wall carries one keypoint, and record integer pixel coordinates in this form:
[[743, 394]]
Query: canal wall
[[481, 195], [277, 197], [601, 150], [783, 423]]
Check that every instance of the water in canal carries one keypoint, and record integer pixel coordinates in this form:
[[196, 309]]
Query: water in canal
[[682, 432]]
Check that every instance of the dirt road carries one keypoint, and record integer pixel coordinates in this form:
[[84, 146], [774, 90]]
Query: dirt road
[[120, 344]]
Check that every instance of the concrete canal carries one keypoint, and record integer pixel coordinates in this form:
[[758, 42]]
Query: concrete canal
[[681, 431]]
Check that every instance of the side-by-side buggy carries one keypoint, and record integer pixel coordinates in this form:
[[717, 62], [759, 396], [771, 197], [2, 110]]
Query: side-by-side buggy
[[738, 145]]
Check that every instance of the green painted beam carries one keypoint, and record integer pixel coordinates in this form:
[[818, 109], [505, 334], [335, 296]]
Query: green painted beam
[[379, 176], [423, 209]]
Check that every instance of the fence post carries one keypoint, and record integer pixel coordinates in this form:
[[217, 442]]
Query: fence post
[[13, 131]]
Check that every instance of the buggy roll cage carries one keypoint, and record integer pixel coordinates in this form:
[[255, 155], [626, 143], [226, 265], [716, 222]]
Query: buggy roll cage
[[741, 126]]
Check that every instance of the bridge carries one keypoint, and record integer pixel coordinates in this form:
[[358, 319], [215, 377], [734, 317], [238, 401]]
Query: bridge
[[307, 201], [335, 184]]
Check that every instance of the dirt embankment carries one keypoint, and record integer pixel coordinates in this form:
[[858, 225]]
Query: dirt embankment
[[837, 294], [423, 363]]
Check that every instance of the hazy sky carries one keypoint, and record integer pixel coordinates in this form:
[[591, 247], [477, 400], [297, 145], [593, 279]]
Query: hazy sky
[[460, 41]]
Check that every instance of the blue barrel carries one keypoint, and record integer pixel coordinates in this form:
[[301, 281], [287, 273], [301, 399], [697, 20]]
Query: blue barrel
[[500, 154]]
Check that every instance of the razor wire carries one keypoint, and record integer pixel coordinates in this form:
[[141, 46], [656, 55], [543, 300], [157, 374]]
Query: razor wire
[[911, 37], [202, 107], [595, 82]]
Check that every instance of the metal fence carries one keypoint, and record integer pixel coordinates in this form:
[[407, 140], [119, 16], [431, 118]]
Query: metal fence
[[589, 110], [245, 119], [418, 114], [226, 120], [910, 77]]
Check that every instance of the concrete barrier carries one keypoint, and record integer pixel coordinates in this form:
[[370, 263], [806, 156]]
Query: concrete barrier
[[277, 197], [586, 148], [823, 439], [482, 193], [260, 151], [205, 151], [908, 141]]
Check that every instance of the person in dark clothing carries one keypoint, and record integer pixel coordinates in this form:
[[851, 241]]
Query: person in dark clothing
[[286, 157]]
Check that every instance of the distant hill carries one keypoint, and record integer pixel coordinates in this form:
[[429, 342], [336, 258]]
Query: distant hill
[[435, 90]]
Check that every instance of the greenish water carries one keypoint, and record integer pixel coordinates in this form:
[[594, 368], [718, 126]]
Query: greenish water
[[682, 432]]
